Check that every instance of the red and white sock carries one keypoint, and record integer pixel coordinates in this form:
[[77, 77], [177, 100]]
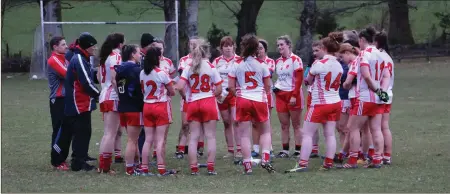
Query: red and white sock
[[161, 168], [210, 166], [387, 156], [265, 156], [328, 162], [353, 158], [230, 149], [238, 148], [371, 152], [117, 153], [130, 168], [144, 168], [315, 149], [200, 144], [303, 163], [107, 160], [181, 148], [194, 168], [376, 159], [100, 161], [247, 165]]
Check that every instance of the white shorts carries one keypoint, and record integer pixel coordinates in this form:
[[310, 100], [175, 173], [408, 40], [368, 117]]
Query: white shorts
[[346, 105]]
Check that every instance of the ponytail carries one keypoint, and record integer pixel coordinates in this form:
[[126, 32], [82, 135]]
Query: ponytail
[[151, 60], [382, 41], [201, 51]]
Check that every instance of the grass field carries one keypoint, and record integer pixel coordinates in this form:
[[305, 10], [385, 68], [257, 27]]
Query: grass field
[[420, 160], [275, 18]]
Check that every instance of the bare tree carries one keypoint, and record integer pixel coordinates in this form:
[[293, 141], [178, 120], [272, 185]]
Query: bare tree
[[308, 23], [170, 49], [246, 17], [399, 27], [182, 29], [192, 14]]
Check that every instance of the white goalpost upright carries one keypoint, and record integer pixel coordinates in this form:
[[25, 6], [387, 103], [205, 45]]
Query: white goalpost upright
[[43, 68]]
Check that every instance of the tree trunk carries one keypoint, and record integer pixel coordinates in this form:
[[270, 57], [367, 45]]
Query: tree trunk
[[170, 50], [399, 28], [52, 13], [246, 17], [4, 4], [193, 18], [308, 22], [183, 29]]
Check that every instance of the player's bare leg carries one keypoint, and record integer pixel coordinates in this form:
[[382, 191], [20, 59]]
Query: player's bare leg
[[367, 150], [355, 124], [266, 144], [315, 148], [387, 135], [118, 146], [378, 140], [296, 125], [183, 137], [236, 134], [201, 143], [111, 126], [195, 130], [149, 135], [255, 138], [209, 129], [343, 134], [330, 142], [159, 141], [228, 131], [285, 121], [309, 129], [131, 149], [244, 128]]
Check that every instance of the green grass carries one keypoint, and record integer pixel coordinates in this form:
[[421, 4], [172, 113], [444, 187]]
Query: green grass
[[275, 18], [419, 125]]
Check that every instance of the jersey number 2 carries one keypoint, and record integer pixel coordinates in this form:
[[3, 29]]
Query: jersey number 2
[[336, 83], [151, 83], [103, 70]]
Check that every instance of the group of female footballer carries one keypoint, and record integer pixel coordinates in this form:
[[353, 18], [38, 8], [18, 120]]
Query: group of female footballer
[[349, 89]]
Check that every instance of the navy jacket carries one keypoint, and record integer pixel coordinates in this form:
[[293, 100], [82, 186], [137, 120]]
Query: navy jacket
[[81, 93], [131, 98], [69, 56], [343, 93]]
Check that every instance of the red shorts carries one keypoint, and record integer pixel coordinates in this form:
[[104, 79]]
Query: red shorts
[[228, 102], [157, 114], [109, 106], [282, 102], [321, 113], [370, 109], [203, 110], [183, 104], [249, 110], [131, 119], [387, 108]]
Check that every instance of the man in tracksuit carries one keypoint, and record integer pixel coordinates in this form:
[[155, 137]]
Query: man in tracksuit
[[57, 68], [80, 100]]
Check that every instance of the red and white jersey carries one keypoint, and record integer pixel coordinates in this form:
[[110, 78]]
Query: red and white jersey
[[327, 74], [370, 57], [108, 92], [285, 68], [201, 84], [154, 84], [250, 75], [167, 66], [184, 61], [388, 65], [353, 70], [224, 66], [270, 63]]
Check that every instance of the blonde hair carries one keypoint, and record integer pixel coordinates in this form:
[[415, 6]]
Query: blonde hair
[[200, 51], [286, 39]]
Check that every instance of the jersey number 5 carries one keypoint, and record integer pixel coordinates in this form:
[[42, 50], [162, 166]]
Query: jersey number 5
[[151, 83], [336, 83], [204, 86], [249, 79]]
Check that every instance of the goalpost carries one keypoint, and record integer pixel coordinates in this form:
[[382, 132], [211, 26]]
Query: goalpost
[[38, 67]]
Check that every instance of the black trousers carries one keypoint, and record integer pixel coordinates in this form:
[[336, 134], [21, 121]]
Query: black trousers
[[76, 129], [57, 116]]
